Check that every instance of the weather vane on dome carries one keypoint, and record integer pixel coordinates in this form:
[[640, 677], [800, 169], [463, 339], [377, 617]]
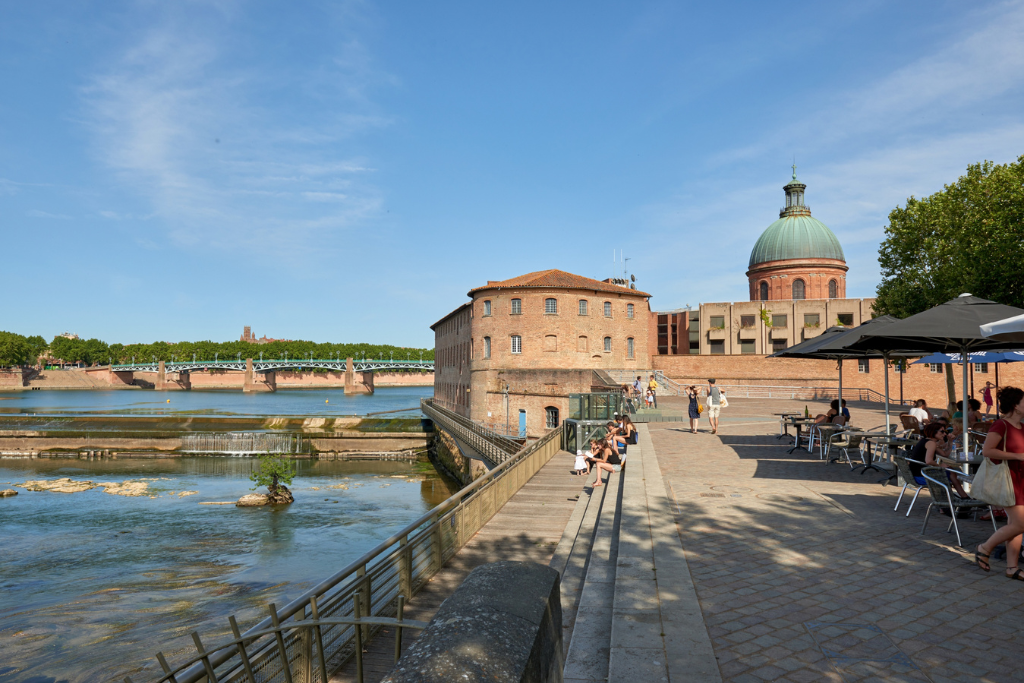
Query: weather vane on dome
[[794, 169]]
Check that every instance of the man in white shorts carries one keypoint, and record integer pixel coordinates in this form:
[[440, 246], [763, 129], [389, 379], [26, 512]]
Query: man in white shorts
[[714, 405]]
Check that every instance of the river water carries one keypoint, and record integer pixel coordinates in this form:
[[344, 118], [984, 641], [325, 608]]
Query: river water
[[312, 402], [93, 584]]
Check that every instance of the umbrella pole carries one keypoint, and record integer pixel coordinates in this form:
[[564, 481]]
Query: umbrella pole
[[840, 386], [885, 369], [965, 408]]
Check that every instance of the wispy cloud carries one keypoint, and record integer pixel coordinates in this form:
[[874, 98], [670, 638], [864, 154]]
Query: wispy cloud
[[36, 213], [211, 146]]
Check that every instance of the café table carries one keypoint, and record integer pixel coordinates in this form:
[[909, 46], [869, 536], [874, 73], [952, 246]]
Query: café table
[[882, 440], [799, 423], [783, 425]]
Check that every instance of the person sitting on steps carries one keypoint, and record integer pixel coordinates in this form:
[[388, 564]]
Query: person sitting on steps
[[598, 459]]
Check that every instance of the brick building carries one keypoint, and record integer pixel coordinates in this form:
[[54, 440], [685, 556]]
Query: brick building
[[520, 346]]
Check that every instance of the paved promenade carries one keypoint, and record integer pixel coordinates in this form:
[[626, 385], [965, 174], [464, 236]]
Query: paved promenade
[[804, 572]]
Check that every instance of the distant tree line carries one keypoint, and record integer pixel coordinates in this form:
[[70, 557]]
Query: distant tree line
[[18, 350]]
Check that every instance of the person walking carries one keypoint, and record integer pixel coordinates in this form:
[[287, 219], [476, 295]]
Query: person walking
[[714, 405], [653, 386], [1005, 441], [986, 396], [638, 389], [694, 409]]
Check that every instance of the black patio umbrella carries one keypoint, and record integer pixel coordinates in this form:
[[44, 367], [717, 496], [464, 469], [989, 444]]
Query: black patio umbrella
[[834, 344], [952, 327]]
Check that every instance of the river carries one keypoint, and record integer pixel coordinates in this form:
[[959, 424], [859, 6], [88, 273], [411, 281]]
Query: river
[[313, 402], [93, 584]]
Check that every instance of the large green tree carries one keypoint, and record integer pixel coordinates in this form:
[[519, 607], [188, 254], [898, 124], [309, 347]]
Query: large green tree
[[14, 349], [968, 237]]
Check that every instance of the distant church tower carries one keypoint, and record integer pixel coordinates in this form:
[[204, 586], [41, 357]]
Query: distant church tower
[[797, 257]]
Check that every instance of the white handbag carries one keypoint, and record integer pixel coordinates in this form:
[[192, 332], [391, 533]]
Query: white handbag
[[723, 402], [993, 484]]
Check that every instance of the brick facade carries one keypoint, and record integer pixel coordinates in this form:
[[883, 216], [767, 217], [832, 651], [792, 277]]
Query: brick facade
[[815, 273], [534, 336]]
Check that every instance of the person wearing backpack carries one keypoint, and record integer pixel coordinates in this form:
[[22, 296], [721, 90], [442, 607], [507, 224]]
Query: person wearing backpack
[[716, 401]]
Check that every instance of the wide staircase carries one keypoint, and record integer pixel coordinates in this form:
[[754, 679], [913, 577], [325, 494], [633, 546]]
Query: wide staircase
[[629, 610]]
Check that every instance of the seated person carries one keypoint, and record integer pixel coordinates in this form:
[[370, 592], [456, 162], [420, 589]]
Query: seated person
[[927, 450], [598, 459], [831, 416], [616, 437], [920, 411], [629, 430], [846, 412]]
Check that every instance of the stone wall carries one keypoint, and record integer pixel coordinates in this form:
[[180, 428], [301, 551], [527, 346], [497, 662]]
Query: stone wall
[[464, 469]]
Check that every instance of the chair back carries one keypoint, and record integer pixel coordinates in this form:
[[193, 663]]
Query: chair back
[[910, 422], [839, 420], [938, 485], [904, 469]]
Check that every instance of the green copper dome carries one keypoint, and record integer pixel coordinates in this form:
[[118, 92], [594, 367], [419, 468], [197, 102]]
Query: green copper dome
[[796, 237]]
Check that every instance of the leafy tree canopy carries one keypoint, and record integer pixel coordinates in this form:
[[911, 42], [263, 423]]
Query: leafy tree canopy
[[272, 471], [969, 237], [14, 349]]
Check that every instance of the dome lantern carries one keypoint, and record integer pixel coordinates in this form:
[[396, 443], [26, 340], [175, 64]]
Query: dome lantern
[[795, 198]]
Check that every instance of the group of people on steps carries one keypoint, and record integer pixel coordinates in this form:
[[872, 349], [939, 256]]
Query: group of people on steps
[[607, 453]]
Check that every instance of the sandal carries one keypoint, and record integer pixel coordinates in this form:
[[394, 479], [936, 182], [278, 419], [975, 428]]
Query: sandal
[[981, 559], [1017, 574]]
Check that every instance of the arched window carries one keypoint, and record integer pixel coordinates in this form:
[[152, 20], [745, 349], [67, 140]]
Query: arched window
[[551, 417], [607, 344], [764, 291], [833, 289], [551, 306], [487, 347], [798, 289], [607, 309], [517, 344], [517, 306], [629, 348], [583, 307]]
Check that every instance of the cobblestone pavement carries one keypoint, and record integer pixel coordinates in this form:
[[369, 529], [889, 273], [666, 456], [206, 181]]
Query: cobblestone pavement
[[805, 573]]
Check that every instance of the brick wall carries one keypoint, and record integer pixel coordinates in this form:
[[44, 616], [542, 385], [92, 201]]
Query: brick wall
[[453, 342], [815, 273]]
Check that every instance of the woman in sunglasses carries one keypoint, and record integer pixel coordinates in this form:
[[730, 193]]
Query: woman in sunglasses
[[932, 444]]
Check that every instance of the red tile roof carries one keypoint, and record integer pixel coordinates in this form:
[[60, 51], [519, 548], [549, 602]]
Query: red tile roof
[[559, 279]]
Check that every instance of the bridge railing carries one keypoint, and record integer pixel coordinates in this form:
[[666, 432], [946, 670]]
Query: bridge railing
[[494, 446], [398, 567]]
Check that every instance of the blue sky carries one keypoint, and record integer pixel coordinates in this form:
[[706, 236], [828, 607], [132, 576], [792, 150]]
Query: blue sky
[[348, 171]]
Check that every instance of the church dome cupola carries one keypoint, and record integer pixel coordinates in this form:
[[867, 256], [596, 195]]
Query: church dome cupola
[[797, 256]]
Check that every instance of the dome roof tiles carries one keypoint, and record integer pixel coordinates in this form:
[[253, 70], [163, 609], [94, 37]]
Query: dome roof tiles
[[796, 237]]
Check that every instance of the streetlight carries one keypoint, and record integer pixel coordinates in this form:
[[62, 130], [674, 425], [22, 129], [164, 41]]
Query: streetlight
[[215, 356], [506, 409]]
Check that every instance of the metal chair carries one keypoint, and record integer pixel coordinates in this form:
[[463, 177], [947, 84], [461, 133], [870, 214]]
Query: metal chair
[[903, 467], [943, 497], [910, 423], [845, 441]]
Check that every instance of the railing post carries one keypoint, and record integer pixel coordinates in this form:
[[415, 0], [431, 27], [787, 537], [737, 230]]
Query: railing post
[[405, 567], [435, 544], [306, 663], [366, 599]]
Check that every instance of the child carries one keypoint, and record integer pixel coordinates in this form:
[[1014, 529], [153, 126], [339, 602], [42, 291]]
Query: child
[[580, 468], [650, 398]]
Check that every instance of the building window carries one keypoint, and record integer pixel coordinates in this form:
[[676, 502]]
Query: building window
[[629, 310], [583, 307], [811, 320], [517, 344], [833, 289], [798, 289], [764, 291], [718, 322], [845, 319], [747, 346], [551, 417], [981, 367], [607, 344], [935, 367], [607, 309], [517, 306], [487, 308], [629, 348], [487, 347], [900, 365], [780, 320], [550, 306], [863, 365], [778, 344], [694, 341], [717, 347], [747, 320]]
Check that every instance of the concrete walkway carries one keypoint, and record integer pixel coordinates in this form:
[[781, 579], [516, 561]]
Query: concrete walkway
[[528, 528]]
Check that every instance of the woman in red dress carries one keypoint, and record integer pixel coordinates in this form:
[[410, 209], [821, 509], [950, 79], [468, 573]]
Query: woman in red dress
[[1005, 441]]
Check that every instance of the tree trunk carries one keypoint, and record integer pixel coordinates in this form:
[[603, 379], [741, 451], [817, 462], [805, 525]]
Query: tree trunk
[[950, 388]]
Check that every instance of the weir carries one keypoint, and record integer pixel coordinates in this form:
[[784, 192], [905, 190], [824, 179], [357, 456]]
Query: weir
[[243, 443]]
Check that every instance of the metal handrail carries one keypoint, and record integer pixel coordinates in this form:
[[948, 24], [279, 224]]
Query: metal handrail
[[311, 633], [400, 565], [488, 443]]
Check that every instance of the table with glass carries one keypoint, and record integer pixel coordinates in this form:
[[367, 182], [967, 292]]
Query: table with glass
[[783, 424], [799, 423]]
